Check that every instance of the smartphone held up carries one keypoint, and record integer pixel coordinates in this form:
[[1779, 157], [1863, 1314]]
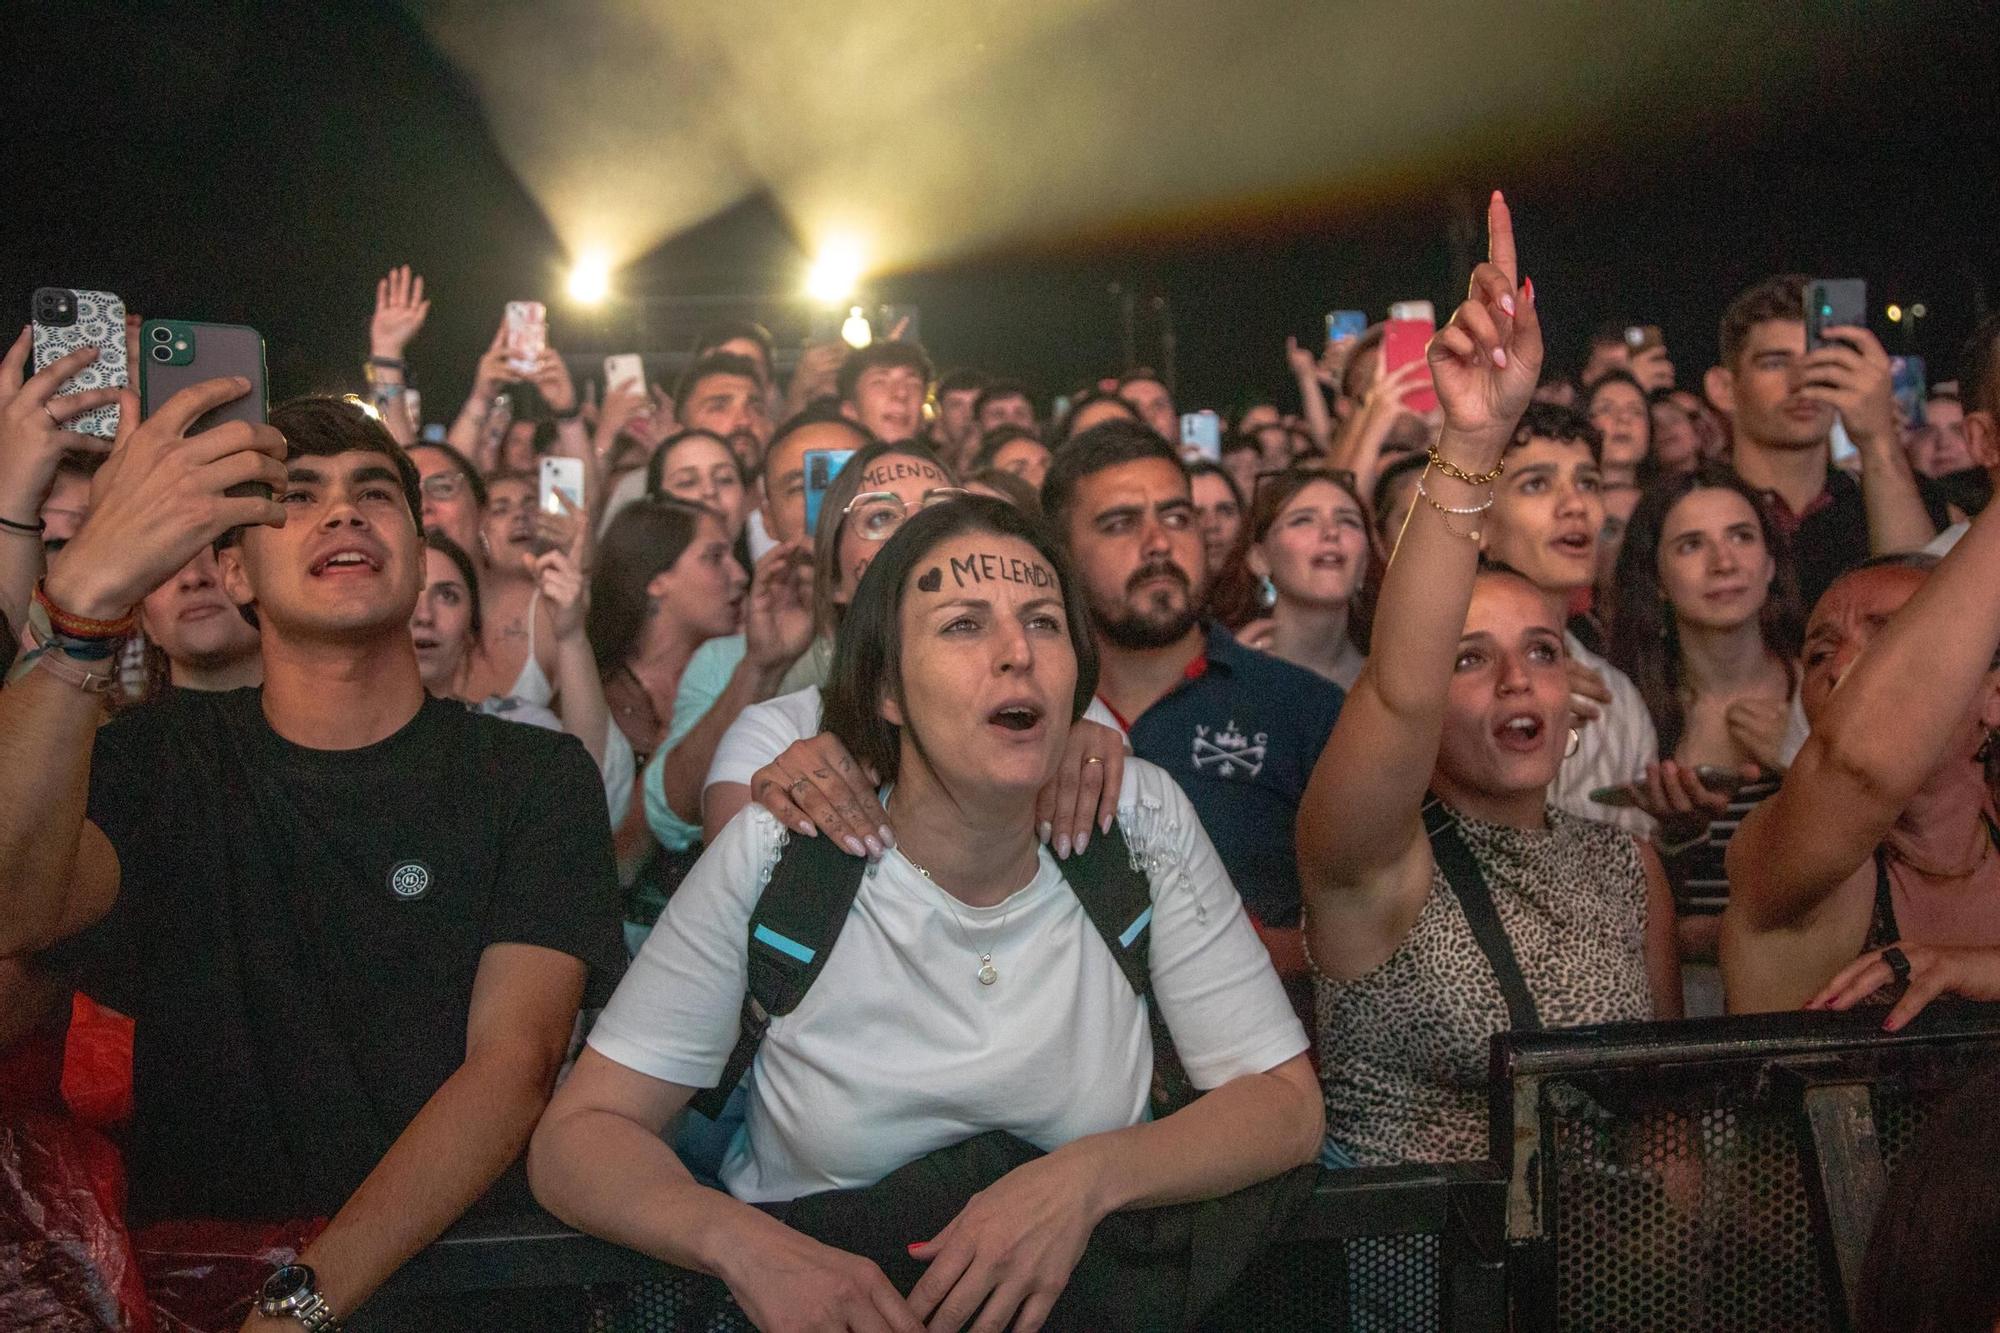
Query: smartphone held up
[[525, 335], [67, 319]]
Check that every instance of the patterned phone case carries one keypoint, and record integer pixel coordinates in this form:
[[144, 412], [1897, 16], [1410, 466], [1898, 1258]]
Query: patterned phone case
[[100, 323]]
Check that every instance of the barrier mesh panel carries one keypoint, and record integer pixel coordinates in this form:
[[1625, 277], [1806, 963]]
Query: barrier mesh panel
[[1691, 1218], [1394, 1290]]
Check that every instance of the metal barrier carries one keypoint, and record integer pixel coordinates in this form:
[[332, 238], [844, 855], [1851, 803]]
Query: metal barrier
[[1405, 1248], [1711, 1175]]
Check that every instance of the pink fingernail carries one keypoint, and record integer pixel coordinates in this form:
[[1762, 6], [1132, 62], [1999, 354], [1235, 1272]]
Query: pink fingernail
[[1500, 357], [1507, 304]]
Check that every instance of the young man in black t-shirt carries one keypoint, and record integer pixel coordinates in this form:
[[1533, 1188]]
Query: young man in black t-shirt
[[353, 923], [1782, 402]]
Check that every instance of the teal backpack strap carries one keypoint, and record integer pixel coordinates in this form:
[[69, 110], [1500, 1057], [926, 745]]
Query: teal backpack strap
[[793, 929], [1118, 899]]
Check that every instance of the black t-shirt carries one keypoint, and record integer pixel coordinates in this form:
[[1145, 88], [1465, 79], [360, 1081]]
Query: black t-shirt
[[297, 930], [1831, 536]]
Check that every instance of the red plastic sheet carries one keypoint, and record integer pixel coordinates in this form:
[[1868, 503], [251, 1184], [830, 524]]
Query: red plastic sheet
[[66, 1262], [97, 1064], [204, 1276]]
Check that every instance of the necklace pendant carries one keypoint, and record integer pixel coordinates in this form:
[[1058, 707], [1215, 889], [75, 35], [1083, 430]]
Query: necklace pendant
[[987, 976]]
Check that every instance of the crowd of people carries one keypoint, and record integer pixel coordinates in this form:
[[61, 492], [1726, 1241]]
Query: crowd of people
[[1189, 818]]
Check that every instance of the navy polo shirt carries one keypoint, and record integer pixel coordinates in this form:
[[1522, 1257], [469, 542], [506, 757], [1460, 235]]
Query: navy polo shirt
[[1241, 734]]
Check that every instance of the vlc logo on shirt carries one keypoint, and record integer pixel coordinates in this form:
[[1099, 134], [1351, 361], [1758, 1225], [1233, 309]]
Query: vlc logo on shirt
[[410, 879], [1228, 753]]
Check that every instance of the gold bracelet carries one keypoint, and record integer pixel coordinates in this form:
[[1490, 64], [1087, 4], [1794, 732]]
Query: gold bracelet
[[1445, 465]]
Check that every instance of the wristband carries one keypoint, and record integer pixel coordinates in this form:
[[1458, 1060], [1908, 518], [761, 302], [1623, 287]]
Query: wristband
[[35, 529], [570, 415], [74, 626], [70, 673], [389, 362]]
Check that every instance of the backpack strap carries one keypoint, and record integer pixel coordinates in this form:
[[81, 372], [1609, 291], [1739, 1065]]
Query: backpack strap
[[792, 931], [1468, 884], [1118, 899]]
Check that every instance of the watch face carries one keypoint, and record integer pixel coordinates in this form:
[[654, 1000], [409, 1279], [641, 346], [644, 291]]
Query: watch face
[[287, 1282]]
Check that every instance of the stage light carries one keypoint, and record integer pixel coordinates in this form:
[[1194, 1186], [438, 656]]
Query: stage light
[[590, 278], [854, 330], [1917, 310], [835, 273], [1895, 313]]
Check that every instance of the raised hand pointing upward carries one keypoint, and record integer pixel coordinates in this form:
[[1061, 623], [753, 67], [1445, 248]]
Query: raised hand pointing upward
[[1486, 360]]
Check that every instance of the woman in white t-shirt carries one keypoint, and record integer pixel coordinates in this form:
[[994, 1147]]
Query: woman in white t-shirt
[[969, 992]]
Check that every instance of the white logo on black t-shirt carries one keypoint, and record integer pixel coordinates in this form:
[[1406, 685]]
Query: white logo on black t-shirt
[[410, 879], [1227, 752]]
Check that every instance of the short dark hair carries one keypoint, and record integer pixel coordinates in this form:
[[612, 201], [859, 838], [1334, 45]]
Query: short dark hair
[[877, 356], [1385, 481], [959, 379], [729, 331], [998, 390], [437, 541], [1979, 367], [1553, 421], [819, 412], [1778, 298], [1105, 445], [1142, 375], [1235, 442], [1201, 467], [656, 466], [1011, 485], [318, 426], [1085, 399], [645, 537], [463, 465], [997, 439], [867, 652], [708, 366]]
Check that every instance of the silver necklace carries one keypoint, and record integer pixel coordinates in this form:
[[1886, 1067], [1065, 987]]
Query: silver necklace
[[987, 974]]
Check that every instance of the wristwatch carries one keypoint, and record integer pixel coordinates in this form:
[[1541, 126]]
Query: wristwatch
[[292, 1292]]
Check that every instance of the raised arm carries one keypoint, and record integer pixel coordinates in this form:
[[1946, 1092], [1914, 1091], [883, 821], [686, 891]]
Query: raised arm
[[777, 628], [1364, 864], [157, 500], [1312, 397], [468, 430], [33, 438], [565, 592], [1850, 371], [1898, 708], [400, 311]]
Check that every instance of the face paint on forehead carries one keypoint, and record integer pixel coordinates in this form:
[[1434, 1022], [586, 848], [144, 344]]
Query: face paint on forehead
[[979, 567], [900, 469]]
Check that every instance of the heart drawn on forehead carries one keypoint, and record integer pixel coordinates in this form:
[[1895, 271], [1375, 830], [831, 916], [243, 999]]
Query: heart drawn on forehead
[[931, 579]]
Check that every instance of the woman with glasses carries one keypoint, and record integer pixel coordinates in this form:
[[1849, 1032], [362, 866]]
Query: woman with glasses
[[454, 496], [871, 497]]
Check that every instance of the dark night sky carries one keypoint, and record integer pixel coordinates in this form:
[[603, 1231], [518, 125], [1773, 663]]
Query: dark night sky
[[263, 163]]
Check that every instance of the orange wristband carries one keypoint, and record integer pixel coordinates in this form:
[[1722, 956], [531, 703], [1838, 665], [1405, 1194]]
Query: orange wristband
[[83, 627]]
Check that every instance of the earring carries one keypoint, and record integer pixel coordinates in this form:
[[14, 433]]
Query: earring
[[1985, 750], [1267, 592], [1575, 739]]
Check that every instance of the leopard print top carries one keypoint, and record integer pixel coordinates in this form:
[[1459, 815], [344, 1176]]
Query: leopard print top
[[1404, 1050]]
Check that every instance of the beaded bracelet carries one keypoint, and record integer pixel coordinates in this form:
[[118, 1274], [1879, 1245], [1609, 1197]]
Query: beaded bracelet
[[1448, 512], [1456, 473]]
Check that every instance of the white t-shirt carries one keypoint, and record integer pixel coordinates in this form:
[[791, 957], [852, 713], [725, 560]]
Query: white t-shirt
[[1612, 749], [763, 731], [898, 1050]]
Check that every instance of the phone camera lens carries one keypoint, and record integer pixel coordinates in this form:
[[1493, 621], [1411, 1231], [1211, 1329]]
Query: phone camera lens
[[162, 334], [163, 354]]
